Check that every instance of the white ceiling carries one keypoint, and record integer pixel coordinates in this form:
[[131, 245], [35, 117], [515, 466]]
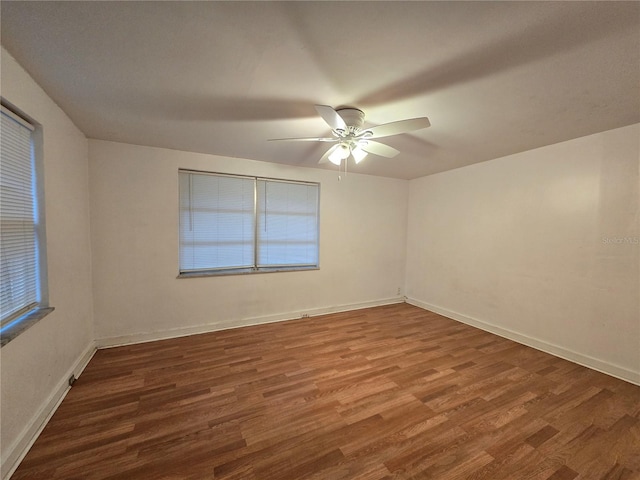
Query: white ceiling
[[494, 78]]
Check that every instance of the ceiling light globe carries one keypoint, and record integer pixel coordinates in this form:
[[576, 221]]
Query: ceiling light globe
[[358, 154], [340, 153]]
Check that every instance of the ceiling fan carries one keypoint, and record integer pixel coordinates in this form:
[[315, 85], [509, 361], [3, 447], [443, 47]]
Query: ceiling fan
[[351, 138]]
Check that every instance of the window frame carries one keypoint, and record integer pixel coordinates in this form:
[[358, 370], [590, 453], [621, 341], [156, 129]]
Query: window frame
[[254, 269], [12, 326]]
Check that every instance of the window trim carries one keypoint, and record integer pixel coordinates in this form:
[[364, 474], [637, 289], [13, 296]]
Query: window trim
[[226, 271], [21, 321]]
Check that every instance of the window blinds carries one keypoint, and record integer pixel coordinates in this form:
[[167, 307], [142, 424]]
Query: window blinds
[[18, 243], [216, 222], [235, 222], [287, 224]]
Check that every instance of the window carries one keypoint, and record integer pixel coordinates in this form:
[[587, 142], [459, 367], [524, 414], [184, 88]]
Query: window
[[240, 224], [22, 280]]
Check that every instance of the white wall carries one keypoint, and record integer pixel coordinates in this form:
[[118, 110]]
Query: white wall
[[35, 366], [134, 227], [541, 246]]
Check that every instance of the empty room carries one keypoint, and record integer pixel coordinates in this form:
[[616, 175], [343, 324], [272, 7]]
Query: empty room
[[332, 240]]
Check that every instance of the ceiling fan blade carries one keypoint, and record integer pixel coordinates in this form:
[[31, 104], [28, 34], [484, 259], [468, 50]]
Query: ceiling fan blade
[[380, 149], [303, 139], [325, 157], [330, 116], [395, 128]]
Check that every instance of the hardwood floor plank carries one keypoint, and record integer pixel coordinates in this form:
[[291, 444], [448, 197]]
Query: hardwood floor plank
[[393, 392], [541, 436]]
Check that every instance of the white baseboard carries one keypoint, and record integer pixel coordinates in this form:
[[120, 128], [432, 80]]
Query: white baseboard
[[108, 342], [17, 451], [602, 366]]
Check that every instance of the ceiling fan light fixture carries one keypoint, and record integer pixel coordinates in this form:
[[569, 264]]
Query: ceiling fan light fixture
[[358, 154], [340, 153]]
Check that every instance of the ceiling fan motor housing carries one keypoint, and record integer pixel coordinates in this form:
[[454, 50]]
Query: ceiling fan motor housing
[[353, 117]]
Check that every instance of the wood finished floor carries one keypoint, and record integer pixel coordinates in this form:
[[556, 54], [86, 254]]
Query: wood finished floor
[[391, 392]]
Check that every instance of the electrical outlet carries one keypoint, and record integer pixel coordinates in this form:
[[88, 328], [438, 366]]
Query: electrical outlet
[[399, 291], [304, 315], [72, 380]]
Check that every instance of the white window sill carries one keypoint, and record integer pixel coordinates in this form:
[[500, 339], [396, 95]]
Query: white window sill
[[14, 328], [244, 271]]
